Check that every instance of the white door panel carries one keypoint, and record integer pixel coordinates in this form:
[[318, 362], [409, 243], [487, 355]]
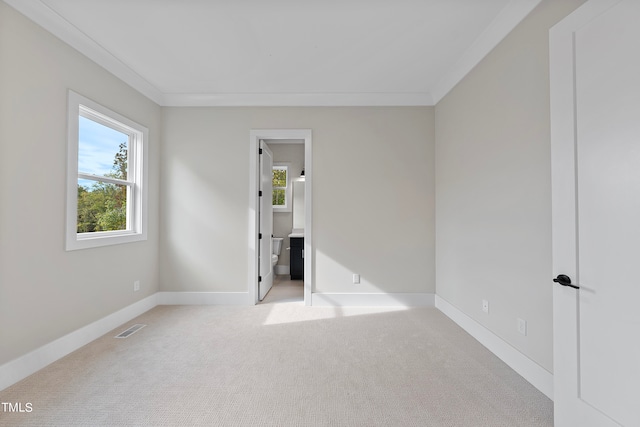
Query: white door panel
[[596, 183], [266, 220], [608, 166]]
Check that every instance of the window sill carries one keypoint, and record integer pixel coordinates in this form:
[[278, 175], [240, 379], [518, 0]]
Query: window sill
[[275, 209], [103, 239]]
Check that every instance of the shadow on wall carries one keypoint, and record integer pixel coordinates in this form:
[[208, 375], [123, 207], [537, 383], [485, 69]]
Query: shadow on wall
[[390, 248], [348, 294], [201, 250], [374, 210]]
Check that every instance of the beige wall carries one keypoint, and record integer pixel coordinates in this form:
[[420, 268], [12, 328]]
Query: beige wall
[[493, 189], [373, 192], [46, 292]]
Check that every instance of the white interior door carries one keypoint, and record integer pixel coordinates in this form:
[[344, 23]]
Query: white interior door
[[595, 100], [266, 220]]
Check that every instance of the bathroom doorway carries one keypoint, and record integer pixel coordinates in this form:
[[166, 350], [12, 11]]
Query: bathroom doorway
[[290, 268]]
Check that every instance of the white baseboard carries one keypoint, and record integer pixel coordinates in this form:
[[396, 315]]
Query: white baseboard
[[539, 377], [20, 368], [373, 300], [203, 298]]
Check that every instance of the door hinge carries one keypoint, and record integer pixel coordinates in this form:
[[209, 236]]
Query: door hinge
[[259, 235], [260, 193], [260, 151], [259, 278]]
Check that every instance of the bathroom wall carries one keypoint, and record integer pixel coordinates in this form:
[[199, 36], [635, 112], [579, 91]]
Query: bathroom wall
[[293, 155], [373, 196]]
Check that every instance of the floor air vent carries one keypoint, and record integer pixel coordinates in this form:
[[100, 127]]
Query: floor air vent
[[130, 331]]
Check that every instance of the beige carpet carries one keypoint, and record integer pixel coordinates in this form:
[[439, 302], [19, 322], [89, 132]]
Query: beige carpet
[[281, 364]]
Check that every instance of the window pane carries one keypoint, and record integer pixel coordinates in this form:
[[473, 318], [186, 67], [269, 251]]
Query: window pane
[[278, 197], [102, 151], [101, 206], [279, 177]]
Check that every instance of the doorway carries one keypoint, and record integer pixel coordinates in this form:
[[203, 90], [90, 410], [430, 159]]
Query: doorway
[[302, 136]]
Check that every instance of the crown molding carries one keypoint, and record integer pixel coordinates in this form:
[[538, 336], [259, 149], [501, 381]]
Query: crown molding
[[508, 18], [297, 99], [50, 20]]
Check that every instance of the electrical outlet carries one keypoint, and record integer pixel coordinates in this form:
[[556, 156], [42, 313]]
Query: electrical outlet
[[356, 279], [136, 286], [485, 306], [522, 326]]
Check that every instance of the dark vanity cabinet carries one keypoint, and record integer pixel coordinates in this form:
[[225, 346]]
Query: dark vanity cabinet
[[297, 258]]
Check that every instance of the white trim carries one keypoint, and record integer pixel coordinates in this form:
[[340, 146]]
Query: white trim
[[372, 300], [308, 220], [288, 189], [115, 181], [20, 368], [255, 135], [539, 377], [51, 21], [508, 18], [137, 198], [373, 99], [204, 298]]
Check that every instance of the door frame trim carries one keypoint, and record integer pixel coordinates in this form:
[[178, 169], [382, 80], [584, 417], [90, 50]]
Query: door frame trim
[[255, 135]]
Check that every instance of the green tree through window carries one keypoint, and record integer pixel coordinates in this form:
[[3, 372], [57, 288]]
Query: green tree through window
[[103, 206], [280, 186]]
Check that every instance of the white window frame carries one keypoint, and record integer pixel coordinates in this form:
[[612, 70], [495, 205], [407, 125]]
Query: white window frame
[[136, 229], [287, 190]]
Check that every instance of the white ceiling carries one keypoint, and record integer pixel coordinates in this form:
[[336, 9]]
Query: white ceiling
[[283, 52]]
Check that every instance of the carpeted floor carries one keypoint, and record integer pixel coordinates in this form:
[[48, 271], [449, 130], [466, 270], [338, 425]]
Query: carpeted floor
[[281, 364]]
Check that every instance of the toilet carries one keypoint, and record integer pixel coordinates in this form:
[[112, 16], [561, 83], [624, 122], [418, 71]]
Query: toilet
[[276, 248]]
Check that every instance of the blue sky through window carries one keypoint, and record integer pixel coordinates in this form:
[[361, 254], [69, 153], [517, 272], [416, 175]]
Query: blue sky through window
[[97, 146]]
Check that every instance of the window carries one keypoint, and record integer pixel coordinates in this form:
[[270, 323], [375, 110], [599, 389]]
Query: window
[[106, 191], [280, 184]]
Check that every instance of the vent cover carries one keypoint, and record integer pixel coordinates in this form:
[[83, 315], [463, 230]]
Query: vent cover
[[130, 331]]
